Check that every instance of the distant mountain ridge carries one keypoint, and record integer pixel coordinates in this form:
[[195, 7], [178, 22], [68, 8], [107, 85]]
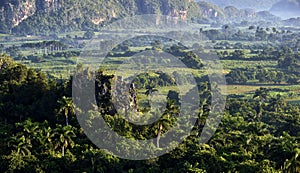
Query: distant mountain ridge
[[286, 8], [231, 14], [257, 5], [33, 17]]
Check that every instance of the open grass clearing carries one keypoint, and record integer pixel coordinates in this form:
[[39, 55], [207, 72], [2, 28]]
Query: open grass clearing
[[234, 64]]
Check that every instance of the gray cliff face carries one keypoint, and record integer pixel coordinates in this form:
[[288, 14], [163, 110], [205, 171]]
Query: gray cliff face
[[211, 11]]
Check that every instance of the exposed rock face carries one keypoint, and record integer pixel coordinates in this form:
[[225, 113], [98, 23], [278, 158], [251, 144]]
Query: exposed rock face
[[22, 11], [53, 16], [13, 13], [17, 11], [75, 12], [98, 21], [177, 14], [211, 11]]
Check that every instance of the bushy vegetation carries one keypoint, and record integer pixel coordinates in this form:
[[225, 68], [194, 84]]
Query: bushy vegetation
[[39, 131]]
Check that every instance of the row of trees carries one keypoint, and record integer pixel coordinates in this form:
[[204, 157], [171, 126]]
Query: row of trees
[[156, 79], [260, 34], [244, 76], [286, 70], [262, 52]]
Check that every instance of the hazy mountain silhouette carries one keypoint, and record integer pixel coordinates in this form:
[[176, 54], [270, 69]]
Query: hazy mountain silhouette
[[286, 9], [257, 5]]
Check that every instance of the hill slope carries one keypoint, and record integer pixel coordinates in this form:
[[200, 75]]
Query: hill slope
[[287, 8], [257, 5], [35, 17], [44, 16]]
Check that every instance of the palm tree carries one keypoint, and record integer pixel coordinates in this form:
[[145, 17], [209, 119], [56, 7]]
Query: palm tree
[[40, 134], [150, 89], [21, 144], [226, 27], [64, 138], [21, 110], [293, 165], [262, 94], [45, 137], [201, 33], [163, 122], [277, 103], [30, 128], [251, 27], [172, 110], [66, 108], [93, 158], [6, 109]]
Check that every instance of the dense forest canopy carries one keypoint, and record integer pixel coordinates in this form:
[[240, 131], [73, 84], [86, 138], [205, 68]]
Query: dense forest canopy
[[39, 130]]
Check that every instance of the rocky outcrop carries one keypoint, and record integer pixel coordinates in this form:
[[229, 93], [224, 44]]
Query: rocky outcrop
[[22, 11], [211, 11], [96, 12], [13, 13]]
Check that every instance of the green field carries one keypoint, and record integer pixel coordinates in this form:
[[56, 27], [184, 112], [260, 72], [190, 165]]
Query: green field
[[61, 68]]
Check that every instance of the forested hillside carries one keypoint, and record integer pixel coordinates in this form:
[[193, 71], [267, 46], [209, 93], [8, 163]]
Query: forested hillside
[[39, 16]]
